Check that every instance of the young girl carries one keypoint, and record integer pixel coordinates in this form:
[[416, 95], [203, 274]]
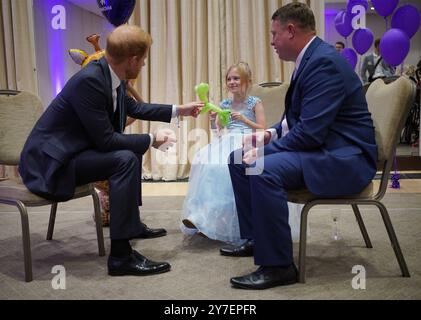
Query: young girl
[[209, 207]]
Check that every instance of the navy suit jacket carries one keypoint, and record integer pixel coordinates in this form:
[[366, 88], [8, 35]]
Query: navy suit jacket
[[80, 118], [330, 125]]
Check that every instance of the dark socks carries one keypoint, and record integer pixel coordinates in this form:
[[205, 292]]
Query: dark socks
[[120, 248]]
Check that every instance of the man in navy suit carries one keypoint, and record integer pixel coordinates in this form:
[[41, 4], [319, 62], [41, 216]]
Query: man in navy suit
[[324, 142], [79, 139]]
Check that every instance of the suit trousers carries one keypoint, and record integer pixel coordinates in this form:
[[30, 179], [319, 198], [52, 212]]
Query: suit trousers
[[122, 170], [262, 207]]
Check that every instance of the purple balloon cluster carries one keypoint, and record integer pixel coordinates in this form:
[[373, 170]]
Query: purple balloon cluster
[[395, 43]]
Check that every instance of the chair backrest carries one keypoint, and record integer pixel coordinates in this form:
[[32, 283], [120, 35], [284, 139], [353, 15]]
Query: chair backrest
[[273, 99], [389, 105], [19, 111]]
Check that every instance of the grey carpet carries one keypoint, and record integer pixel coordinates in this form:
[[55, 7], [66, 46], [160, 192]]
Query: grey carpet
[[198, 271]]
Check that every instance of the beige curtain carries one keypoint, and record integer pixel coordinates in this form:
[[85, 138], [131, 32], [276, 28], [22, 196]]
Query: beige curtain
[[17, 53], [195, 41]]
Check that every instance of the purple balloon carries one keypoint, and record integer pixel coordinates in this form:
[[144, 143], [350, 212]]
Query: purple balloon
[[350, 56], [343, 23], [407, 18], [362, 40], [352, 3], [384, 7], [394, 46], [117, 12]]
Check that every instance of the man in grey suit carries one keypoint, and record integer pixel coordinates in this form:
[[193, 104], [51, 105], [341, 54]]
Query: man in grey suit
[[374, 66], [79, 139]]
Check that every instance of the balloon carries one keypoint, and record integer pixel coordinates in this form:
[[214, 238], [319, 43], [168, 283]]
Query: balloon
[[117, 12], [223, 115], [353, 3], [407, 18], [394, 46], [343, 23], [350, 56], [80, 57], [384, 7], [362, 40]]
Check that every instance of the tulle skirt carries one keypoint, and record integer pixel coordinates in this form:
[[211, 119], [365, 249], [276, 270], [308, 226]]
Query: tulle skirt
[[210, 203]]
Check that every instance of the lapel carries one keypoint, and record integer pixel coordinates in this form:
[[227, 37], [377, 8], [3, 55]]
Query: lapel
[[309, 52], [290, 93], [106, 71]]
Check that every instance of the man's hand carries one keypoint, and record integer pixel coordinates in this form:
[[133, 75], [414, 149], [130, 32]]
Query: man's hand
[[164, 139], [191, 109], [255, 140], [251, 156]]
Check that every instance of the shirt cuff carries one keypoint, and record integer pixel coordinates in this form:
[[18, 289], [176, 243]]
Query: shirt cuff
[[152, 139], [273, 134], [174, 111]]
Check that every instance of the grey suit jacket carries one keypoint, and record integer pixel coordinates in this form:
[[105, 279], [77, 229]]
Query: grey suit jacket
[[368, 68]]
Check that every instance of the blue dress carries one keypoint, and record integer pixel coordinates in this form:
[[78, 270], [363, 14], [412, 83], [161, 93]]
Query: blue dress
[[210, 203]]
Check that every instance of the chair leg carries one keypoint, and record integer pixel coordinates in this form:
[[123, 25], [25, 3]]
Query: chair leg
[[362, 226], [303, 244], [26, 241], [98, 223], [53, 212], [393, 239]]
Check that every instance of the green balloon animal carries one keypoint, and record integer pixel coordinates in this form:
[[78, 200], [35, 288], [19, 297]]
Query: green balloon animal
[[224, 116]]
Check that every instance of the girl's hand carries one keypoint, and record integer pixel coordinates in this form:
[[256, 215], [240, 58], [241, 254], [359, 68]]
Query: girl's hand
[[237, 116], [212, 115]]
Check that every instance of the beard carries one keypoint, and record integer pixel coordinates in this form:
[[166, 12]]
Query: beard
[[131, 74]]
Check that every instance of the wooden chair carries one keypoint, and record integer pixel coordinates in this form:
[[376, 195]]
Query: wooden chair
[[19, 112]]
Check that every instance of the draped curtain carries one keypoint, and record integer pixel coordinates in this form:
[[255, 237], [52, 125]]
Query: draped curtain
[[17, 53], [196, 41]]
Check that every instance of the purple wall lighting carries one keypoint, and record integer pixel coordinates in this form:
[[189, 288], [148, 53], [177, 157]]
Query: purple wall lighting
[[56, 46]]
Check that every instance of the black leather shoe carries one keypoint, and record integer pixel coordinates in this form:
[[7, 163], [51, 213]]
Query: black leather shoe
[[244, 250], [135, 265], [267, 277], [149, 233]]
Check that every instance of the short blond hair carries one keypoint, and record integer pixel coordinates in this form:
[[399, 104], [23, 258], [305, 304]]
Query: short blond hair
[[127, 41], [244, 71]]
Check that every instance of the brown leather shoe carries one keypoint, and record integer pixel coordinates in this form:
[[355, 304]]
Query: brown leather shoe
[[189, 224]]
